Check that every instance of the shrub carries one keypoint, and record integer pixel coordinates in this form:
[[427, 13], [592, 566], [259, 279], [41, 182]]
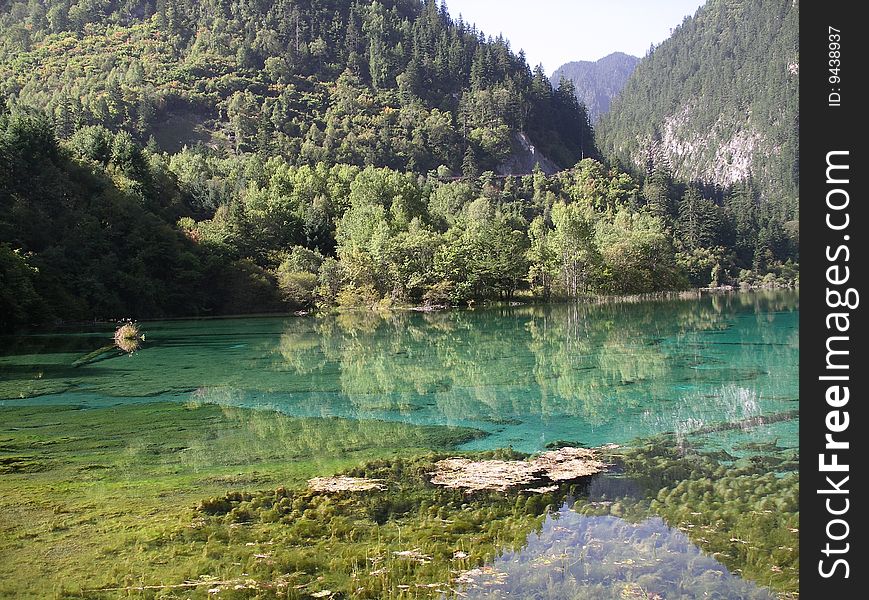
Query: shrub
[[303, 260], [364, 296], [439, 294], [297, 287], [331, 278]]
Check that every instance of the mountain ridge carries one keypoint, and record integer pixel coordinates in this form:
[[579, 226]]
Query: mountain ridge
[[742, 60], [302, 78], [597, 82]]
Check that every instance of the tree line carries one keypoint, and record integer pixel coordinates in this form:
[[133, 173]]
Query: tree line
[[99, 227], [210, 157]]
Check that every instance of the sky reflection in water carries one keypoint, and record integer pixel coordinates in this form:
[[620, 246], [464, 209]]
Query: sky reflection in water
[[576, 557]]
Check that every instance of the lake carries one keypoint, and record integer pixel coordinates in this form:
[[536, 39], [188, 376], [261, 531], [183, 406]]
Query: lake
[[105, 459]]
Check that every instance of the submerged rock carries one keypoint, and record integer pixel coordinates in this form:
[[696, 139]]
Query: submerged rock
[[567, 464], [344, 484], [553, 467]]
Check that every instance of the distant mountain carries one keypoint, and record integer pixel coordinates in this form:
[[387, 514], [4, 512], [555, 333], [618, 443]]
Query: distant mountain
[[598, 82], [718, 102]]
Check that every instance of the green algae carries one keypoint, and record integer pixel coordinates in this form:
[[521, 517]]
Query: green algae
[[409, 535], [214, 498], [743, 513], [375, 544], [86, 492]]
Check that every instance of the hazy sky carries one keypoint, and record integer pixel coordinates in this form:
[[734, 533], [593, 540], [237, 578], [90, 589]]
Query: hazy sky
[[554, 32]]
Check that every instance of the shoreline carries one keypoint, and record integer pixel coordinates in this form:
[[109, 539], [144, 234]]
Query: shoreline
[[595, 299]]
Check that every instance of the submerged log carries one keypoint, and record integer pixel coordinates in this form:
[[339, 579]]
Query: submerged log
[[103, 353], [127, 339], [749, 422], [540, 473]]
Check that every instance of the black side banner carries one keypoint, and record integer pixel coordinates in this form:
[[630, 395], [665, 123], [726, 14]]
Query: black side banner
[[833, 374]]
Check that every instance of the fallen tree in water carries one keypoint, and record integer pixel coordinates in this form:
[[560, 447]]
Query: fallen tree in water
[[749, 422], [126, 340]]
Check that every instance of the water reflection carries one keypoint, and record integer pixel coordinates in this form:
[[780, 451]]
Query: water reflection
[[575, 556], [527, 375]]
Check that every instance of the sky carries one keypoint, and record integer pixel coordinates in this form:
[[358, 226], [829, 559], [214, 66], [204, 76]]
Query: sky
[[554, 32]]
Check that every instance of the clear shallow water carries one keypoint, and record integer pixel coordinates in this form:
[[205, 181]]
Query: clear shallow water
[[606, 557], [720, 372], [527, 376]]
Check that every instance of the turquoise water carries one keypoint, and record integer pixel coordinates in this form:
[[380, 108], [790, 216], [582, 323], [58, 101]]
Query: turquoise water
[[719, 373], [527, 376]]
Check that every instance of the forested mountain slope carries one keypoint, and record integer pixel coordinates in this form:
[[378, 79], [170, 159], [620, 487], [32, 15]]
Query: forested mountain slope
[[597, 82], [204, 158], [718, 101], [393, 83]]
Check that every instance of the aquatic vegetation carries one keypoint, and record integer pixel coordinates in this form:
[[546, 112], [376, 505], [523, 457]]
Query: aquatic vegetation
[[624, 534], [154, 476], [88, 493], [340, 483], [405, 534], [745, 514], [128, 337], [276, 535], [580, 557]]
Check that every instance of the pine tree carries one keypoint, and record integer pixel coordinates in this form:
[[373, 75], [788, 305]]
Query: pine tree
[[470, 170]]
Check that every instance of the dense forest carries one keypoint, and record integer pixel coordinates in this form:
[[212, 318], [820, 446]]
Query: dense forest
[[392, 83], [597, 82], [719, 101], [161, 159]]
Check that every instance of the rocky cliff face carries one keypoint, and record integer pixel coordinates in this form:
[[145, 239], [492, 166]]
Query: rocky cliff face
[[718, 100], [524, 157], [720, 154]]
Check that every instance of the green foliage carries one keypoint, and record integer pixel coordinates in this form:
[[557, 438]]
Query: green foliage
[[242, 234], [699, 222], [637, 254], [705, 266], [93, 142], [447, 201], [303, 154], [300, 259], [331, 279], [720, 99], [396, 83], [361, 296], [297, 287], [577, 256], [542, 258], [98, 235], [482, 256], [19, 301]]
